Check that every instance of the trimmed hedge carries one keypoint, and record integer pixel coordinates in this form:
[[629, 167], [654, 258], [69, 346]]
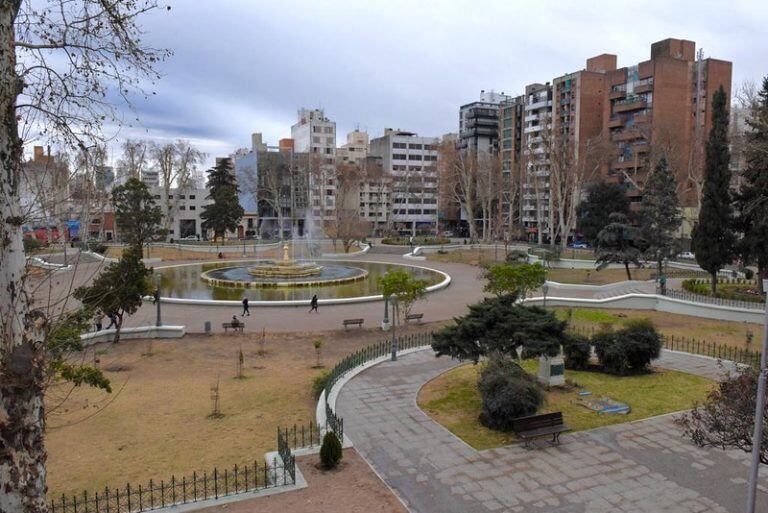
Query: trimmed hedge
[[508, 392], [577, 350], [330, 451]]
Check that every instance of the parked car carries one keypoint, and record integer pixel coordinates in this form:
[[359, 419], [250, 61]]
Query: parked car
[[190, 237], [579, 245], [686, 255]]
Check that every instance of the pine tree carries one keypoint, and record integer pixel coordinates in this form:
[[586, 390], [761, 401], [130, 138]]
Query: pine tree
[[713, 237], [752, 199], [602, 200], [136, 214], [660, 214], [225, 212], [618, 243]]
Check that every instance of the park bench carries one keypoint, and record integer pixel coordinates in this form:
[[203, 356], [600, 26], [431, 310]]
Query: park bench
[[536, 426], [237, 327], [414, 317], [352, 322]]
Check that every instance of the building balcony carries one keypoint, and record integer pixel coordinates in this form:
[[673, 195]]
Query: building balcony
[[616, 95], [473, 122], [626, 135], [627, 164], [640, 147], [615, 122], [644, 88], [539, 105], [628, 104], [641, 118]]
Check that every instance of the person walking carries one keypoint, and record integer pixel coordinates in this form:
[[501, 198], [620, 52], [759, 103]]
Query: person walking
[[246, 311], [313, 304], [112, 320]]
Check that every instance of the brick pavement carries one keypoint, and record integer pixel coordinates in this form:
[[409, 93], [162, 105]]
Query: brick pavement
[[643, 466]]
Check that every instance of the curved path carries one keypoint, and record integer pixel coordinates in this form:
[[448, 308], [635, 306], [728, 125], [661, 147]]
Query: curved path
[[643, 466]]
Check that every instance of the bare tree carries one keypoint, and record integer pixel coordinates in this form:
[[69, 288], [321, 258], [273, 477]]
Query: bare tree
[[489, 189], [176, 164], [62, 62], [458, 174], [134, 159]]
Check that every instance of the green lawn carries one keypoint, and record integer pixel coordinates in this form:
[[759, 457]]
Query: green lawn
[[452, 399]]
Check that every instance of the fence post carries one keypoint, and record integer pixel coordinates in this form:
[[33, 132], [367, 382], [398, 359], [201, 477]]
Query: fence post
[[85, 501], [128, 493], [106, 497], [215, 483]]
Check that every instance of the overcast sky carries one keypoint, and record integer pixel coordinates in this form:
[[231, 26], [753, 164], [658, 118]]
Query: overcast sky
[[243, 66]]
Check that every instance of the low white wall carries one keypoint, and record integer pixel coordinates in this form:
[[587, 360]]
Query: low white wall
[[96, 337], [657, 303], [592, 288]]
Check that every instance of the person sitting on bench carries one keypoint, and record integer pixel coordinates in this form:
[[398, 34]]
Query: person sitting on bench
[[235, 322]]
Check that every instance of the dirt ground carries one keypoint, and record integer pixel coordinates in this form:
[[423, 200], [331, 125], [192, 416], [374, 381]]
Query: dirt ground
[[350, 489], [156, 421], [593, 277]]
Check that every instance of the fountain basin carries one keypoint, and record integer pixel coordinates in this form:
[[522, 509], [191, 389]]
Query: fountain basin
[[270, 274]]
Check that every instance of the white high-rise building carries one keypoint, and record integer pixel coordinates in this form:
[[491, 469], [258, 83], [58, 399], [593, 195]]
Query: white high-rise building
[[411, 161]]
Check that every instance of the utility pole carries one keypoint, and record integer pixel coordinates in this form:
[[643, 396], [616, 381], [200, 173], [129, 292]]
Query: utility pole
[[757, 435]]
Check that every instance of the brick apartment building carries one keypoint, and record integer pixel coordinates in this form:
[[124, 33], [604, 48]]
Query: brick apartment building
[[616, 122]]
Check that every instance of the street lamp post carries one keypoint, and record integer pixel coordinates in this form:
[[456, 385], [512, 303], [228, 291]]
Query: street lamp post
[[544, 289], [385, 321], [759, 413], [393, 300], [159, 321]]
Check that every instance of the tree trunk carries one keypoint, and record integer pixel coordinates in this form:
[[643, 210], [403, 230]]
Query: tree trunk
[[22, 366], [714, 283], [762, 274], [626, 266]]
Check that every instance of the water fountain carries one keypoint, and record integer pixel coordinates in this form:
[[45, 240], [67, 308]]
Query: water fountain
[[285, 268]]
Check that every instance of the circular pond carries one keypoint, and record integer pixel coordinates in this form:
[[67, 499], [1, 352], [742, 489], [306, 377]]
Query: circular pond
[[231, 281]]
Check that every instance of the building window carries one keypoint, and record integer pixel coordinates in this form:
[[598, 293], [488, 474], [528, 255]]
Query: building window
[[192, 207], [170, 196], [182, 207], [399, 145], [191, 196], [182, 196]]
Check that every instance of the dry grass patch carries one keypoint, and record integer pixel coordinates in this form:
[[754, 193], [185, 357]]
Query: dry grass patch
[[155, 423], [593, 277]]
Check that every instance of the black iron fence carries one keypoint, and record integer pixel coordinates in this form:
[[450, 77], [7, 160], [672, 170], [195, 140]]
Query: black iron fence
[[297, 436], [359, 357], [188, 489], [710, 300]]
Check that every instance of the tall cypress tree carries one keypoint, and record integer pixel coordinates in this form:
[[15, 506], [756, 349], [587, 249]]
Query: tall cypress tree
[[660, 214], [752, 199], [225, 212], [713, 237]]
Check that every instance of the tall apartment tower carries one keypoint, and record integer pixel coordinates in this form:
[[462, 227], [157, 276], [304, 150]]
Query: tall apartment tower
[[535, 193], [510, 149], [356, 147], [663, 106], [315, 134], [479, 123], [411, 161]]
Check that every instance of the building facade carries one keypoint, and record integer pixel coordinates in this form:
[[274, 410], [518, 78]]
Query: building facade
[[411, 162]]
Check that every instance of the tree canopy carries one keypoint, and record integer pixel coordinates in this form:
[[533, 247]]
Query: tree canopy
[[713, 238], [136, 214], [619, 243], [660, 214], [500, 325], [407, 288], [225, 212], [119, 289], [602, 200], [752, 198], [514, 279]]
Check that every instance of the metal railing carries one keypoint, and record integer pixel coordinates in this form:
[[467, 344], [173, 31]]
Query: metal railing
[[190, 489], [710, 300]]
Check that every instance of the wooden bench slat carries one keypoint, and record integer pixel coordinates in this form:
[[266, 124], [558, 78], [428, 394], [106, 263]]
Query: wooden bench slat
[[534, 426]]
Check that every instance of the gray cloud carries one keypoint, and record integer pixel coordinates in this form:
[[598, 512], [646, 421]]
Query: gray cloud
[[242, 66]]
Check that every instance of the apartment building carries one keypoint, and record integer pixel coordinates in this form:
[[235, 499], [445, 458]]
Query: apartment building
[[614, 123], [356, 147], [182, 210], [510, 150], [411, 162], [315, 135], [479, 123]]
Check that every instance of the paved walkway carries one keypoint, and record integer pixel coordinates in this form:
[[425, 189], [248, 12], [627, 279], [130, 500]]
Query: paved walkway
[[643, 466]]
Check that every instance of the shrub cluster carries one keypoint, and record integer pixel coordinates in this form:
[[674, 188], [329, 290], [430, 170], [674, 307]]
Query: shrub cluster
[[318, 383], [577, 350], [417, 241], [508, 392], [738, 289], [630, 349], [31, 244]]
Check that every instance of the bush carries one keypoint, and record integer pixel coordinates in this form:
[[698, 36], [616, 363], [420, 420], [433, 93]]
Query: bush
[[630, 349], [508, 392], [577, 350], [319, 382], [97, 247], [330, 451], [31, 244], [748, 273], [517, 257]]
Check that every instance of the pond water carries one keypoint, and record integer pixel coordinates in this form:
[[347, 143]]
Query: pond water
[[185, 282]]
